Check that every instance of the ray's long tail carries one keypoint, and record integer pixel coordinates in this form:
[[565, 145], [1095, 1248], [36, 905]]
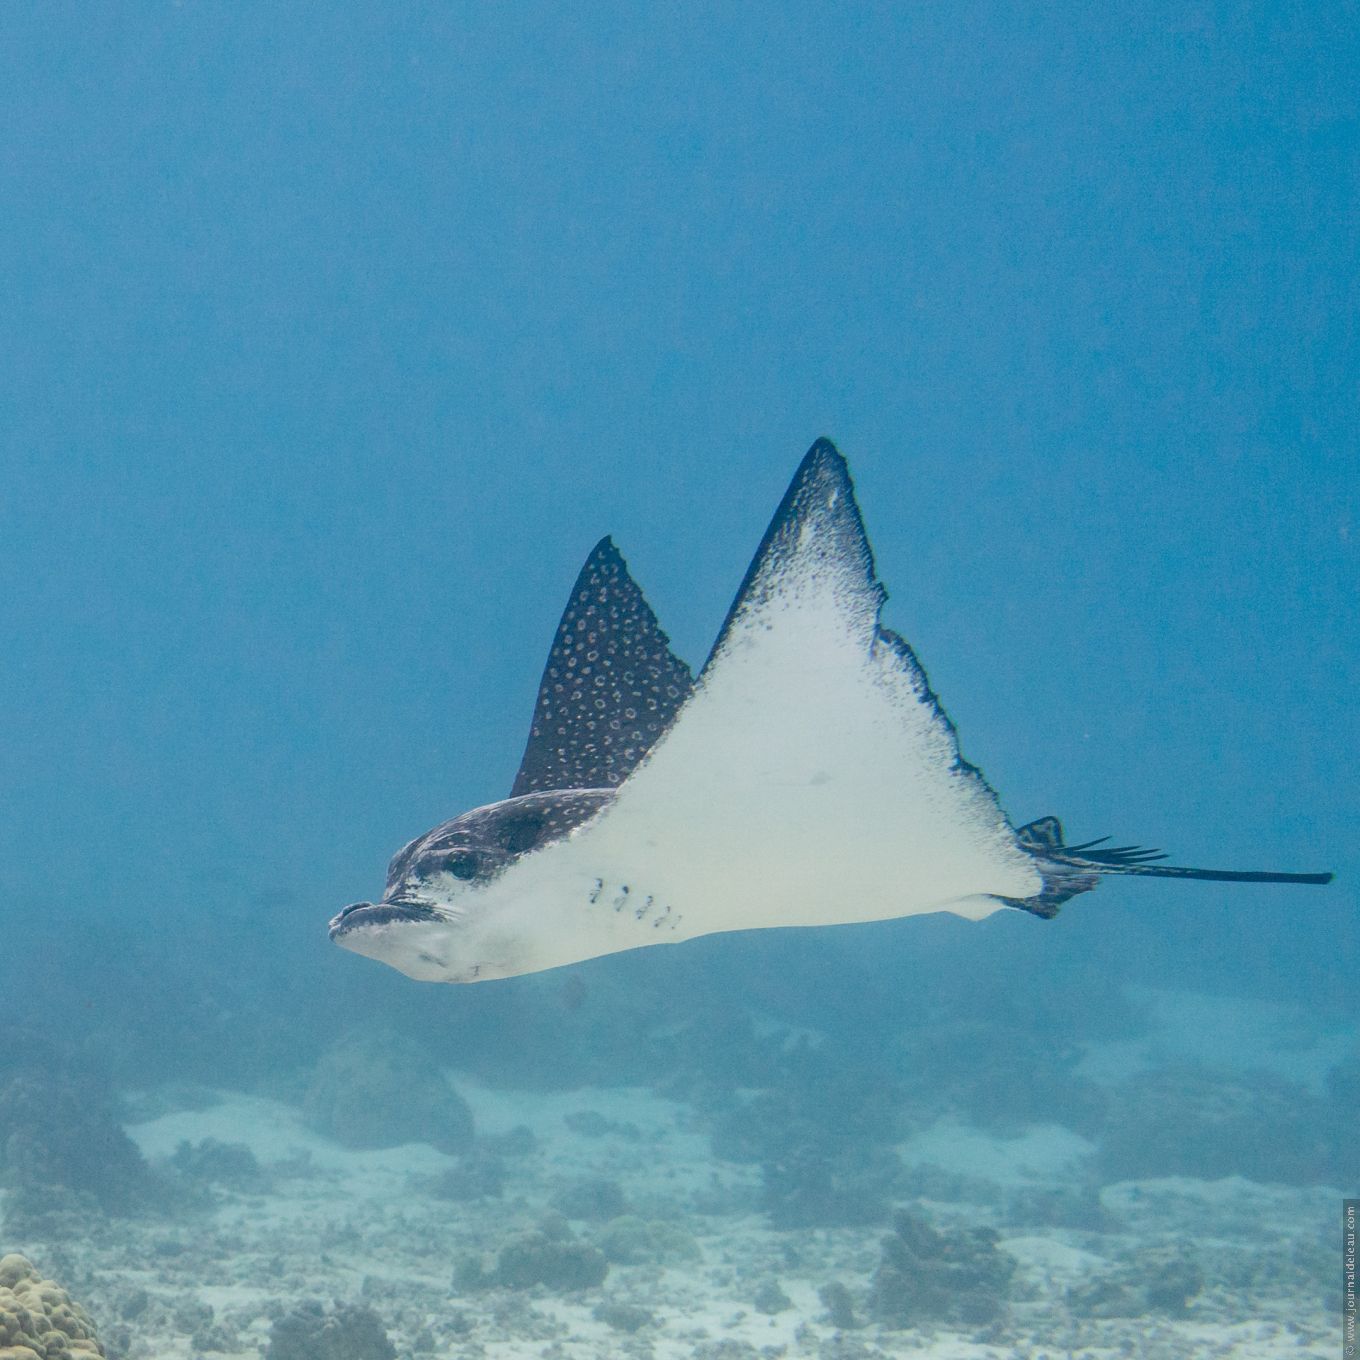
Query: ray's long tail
[[1131, 859], [1072, 869]]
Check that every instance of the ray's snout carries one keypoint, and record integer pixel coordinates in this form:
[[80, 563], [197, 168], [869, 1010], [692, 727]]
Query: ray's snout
[[337, 923], [391, 911]]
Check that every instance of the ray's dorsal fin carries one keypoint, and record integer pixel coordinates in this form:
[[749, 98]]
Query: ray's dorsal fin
[[610, 688]]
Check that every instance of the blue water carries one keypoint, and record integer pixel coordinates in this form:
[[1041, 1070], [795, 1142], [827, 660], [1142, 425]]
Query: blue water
[[333, 337]]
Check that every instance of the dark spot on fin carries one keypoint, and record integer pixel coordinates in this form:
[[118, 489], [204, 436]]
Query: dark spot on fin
[[610, 688]]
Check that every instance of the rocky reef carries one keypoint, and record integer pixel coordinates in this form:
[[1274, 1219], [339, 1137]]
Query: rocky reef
[[347, 1332], [549, 1255], [829, 1188], [817, 1096], [931, 1275], [38, 1320], [1076, 1205], [822, 1131], [231, 1166], [61, 1144], [379, 1089], [1001, 1078], [630, 1240], [594, 1198], [1162, 1282], [480, 1174], [1193, 1121]]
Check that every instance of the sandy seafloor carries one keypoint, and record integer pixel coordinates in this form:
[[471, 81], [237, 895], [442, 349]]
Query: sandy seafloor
[[339, 1225]]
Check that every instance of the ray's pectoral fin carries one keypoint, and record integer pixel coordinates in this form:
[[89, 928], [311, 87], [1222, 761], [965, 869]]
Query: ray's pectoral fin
[[611, 686], [812, 777]]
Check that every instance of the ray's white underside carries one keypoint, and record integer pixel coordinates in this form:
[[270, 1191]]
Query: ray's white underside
[[809, 780]]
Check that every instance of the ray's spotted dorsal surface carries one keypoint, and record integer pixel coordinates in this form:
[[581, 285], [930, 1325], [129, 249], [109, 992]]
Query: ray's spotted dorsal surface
[[807, 777]]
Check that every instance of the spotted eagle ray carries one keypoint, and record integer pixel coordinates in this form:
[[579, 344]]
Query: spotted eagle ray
[[807, 777]]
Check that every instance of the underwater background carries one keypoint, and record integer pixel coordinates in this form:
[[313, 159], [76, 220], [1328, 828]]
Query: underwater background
[[332, 338]]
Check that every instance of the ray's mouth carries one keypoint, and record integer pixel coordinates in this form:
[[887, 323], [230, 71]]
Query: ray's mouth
[[370, 914]]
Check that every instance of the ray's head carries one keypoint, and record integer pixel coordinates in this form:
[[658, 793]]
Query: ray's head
[[426, 924]]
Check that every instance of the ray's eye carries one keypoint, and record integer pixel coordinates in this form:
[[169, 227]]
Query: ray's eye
[[463, 864]]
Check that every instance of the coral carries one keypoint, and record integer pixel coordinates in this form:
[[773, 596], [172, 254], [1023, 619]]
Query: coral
[[376, 1089], [216, 1163], [1058, 1206], [842, 1347], [50, 1213], [592, 1028], [721, 1046], [729, 1348], [822, 1131], [1002, 1078], [623, 1317], [1185, 1121], [348, 1332], [813, 1188], [479, 1175], [595, 1198], [215, 1338], [929, 1180], [469, 1273], [931, 1276], [38, 1321], [823, 1098], [629, 1240], [549, 1255], [770, 1298], [1162, 1281], [57, 1133], [839, 1305]]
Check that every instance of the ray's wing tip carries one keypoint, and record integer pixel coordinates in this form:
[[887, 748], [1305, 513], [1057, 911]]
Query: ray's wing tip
[[823, 454], [824, 473], [605, 557]]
